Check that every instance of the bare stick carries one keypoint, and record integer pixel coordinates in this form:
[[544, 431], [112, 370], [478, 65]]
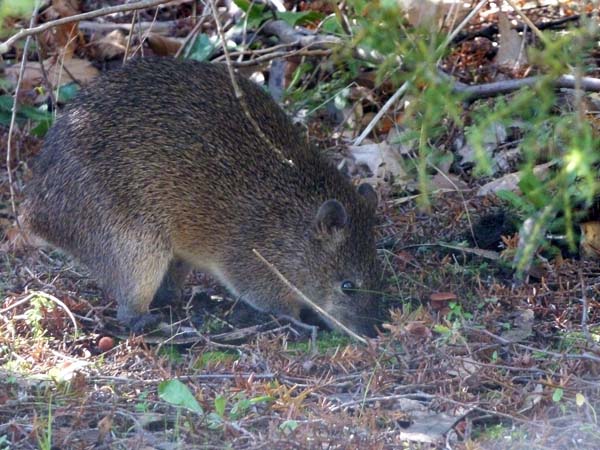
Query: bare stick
[[458, 29], [144, 4], [399, 93], [308, 301], [13, 116], [504, 87], [130, 37]]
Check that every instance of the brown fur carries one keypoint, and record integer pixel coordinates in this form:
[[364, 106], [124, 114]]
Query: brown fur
[[154, 169]]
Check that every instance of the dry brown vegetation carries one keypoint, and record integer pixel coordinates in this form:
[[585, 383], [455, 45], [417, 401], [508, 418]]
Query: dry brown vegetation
[[469, 358]]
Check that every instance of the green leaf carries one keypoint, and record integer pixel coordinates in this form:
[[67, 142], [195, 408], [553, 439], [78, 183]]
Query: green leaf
[[6, 102], [288, 426], [515, 200], [579, 399], [239, 409], [442, 329], [300, 18], [533, 188], [178, 394], [331, 25], [557, 395], [220, 403], [261, 399], [41, 128], [26, 112], [202, 48], [256, 14], [495, 356], [214, 421], [244, 5], [67, 91]]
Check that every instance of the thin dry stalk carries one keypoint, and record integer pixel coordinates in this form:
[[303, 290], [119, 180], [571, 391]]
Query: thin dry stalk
[[238, 92], [308, 301], [13, 117]]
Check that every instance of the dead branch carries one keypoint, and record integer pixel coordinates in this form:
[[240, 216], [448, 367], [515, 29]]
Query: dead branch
[[503, 341], [144, 4], [157, 27], [505, 87], [491, 30], [301, 37]]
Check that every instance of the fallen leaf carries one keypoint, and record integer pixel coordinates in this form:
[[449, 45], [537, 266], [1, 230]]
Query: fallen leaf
[[61, 38], [533, 399], [110, 46], [522, 326], [440, 300], [430, 429], [104, 427], [59, 72], [510, 182], [163, 45], [589, 245], [432, 12], [418, 329], [381, 160], [448, 181], [492, 137]]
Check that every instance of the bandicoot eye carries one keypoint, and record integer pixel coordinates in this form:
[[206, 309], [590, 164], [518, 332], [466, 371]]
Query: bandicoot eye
[[348, 287]]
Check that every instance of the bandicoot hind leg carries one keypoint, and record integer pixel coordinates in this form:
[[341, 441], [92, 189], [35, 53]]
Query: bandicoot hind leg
[[171, 286], [132, 268]]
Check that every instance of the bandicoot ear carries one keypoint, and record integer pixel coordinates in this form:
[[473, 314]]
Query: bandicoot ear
[[331, 216], [369, 194]]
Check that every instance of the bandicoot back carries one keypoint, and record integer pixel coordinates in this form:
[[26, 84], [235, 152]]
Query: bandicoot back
[[155, 169]]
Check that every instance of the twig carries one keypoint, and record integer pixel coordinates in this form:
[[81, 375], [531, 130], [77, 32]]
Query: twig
[[144, 35], [287, 35], [399, 93], [204, 378], [528, 22], [13, 116], [504, 87], [402, 90], [239, 94], [587, 356], [46, 81], [144, 4], [52, 298], [191, 34], [162, 27], [308, 301], [129, 37], [413, 396], [492, 29], [458, 29]]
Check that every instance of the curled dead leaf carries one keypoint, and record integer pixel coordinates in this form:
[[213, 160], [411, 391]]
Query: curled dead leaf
[[58, 71], [110, 46], [418, 329], [589, 246], [439, 300], [163, 45]]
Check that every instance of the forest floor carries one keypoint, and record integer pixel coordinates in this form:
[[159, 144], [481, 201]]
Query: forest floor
[[469, 357]]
